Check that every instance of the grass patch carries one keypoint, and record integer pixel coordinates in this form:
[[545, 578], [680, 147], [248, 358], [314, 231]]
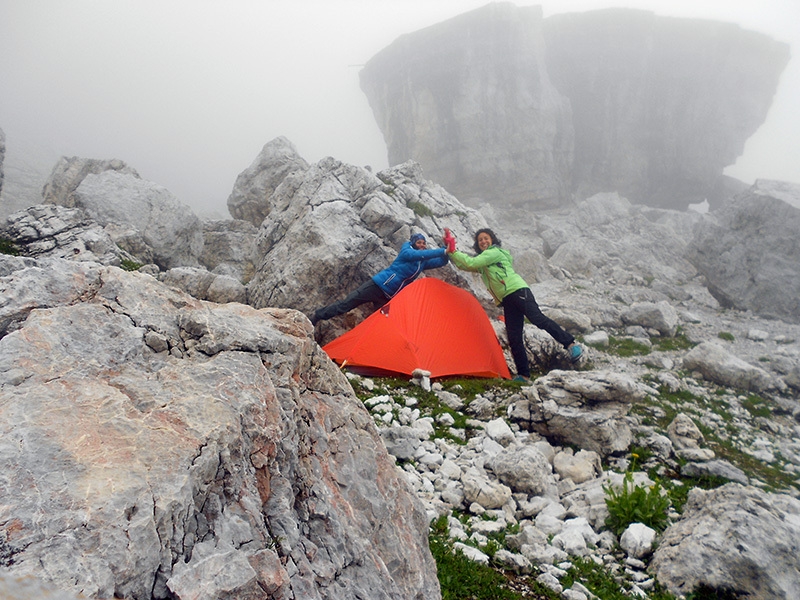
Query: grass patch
[[603, 584], [757, 406], [726, 335], [626, 347], [420, 209], [8, 247], [129, 265], [668, 344], [459, 577]]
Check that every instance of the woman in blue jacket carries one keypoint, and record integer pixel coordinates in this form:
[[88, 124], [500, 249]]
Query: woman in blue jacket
[[414, 257]]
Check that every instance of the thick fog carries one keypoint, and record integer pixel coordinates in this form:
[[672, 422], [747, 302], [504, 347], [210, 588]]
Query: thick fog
[[188, 91]]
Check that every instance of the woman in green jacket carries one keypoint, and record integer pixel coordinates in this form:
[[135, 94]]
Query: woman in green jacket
[[511, 292]]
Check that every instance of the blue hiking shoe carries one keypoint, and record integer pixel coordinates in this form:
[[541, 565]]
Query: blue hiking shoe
[[522, 379], [575, 353]]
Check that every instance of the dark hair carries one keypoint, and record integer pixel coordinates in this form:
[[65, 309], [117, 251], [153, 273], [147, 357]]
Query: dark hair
[[495, 239]]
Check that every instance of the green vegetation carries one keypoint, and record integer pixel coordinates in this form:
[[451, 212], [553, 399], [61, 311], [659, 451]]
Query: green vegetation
[[757, 406], [636, 504], [420, 209], [459, 577], [726, 335], [626, 347], [129, 265], [668, 344], [603, 584], [8, 247]]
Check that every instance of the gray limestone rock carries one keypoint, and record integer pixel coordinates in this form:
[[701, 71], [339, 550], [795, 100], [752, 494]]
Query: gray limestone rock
[[229, 248], [237, 464], [586, 409], [482, 117], [52, 231], [70, 171], [168, 228], [749, 253], [716, 364], [733, 538], [332, 226], [520, 110], [249, 200]]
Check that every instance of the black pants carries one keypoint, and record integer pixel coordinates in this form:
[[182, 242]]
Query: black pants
[[518, 305], [366, 292]]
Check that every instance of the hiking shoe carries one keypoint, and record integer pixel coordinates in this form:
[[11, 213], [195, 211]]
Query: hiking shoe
[[575, 353], [522, 379]]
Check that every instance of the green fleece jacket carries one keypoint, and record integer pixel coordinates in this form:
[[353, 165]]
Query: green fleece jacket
[[494, 265]]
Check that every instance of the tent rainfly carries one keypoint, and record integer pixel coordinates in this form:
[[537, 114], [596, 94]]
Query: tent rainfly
[[429, 325]]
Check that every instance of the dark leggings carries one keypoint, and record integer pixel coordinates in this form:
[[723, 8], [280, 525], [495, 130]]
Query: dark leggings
[[366, 292], [518, 305]]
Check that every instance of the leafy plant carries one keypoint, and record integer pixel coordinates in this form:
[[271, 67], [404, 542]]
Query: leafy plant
[[726, 335], [636, 504]]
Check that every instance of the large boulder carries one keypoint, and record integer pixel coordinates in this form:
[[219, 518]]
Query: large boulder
[[333, 226], [70, 171], [717, 364], [584, 409], [229, 248], [249, 199], [658, 104], [749, 254], [502, 105], [2, 157], [157, 446], [737, 540], [605, 235], [470, 99], [142, 217], [47, 230]]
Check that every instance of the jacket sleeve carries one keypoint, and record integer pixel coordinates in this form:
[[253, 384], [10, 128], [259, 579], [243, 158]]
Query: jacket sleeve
[[409, 254], [476, 263], [436, 261]]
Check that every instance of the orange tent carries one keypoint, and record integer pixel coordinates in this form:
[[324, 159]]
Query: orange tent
[[429, 325]]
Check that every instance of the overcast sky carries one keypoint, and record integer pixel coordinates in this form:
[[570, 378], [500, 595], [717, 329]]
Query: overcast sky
[[187, 92]]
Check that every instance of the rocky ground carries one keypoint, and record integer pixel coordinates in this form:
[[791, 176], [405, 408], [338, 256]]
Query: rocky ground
[[460, 443]]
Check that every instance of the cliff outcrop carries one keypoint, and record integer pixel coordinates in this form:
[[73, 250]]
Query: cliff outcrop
[[156, 446], [504, 106]]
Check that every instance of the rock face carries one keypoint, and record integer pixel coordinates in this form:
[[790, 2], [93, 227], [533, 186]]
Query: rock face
[[749, 252], [2, 157], [161, 447], [734, 538], [70, 171], [347, 224], [501, 105], [471, 101], [249, 200], [59, 232], [142, 217]]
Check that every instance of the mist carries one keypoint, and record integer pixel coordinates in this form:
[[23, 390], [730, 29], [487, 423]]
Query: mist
[[187, 92]]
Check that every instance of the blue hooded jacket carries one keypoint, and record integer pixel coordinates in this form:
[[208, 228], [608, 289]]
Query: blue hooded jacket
[[408, 265]]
